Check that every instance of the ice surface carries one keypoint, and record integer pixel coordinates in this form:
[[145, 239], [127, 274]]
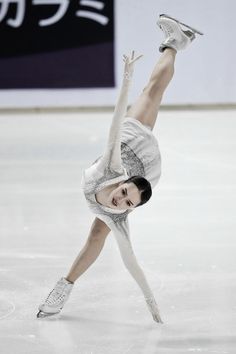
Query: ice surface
[[184, 239]]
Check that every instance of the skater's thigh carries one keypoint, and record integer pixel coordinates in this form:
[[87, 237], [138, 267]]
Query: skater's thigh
[[146, 107]]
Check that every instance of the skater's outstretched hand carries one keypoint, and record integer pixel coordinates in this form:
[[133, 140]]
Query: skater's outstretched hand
[[152, 306], [129, 61]]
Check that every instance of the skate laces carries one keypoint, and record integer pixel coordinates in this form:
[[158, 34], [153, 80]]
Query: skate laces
[[58, 294], [167, 29]]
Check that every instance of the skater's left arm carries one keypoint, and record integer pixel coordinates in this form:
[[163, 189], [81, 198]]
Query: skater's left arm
[[112, 154], [121, 232]]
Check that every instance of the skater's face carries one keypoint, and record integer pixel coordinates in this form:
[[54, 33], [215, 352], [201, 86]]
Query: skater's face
[[125, 196]]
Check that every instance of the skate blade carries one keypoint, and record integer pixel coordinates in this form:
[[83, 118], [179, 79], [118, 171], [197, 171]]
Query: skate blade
[[42, 314], [183, 24]]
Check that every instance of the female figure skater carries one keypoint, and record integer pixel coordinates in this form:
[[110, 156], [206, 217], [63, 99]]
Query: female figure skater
[[123, 178]]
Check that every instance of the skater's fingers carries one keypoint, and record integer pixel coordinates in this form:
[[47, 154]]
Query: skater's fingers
[[125, 58], [157, 318], [137, 58]]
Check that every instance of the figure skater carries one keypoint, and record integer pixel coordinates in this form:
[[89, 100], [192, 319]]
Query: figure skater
[[123, 177]]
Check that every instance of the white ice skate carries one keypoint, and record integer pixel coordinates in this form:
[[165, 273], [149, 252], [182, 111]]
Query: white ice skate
[[56, 299], [178, 35]]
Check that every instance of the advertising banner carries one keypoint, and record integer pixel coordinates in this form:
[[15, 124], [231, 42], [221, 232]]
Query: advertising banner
[[56, 44]]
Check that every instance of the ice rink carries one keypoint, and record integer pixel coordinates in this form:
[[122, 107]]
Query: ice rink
[[184, 239]]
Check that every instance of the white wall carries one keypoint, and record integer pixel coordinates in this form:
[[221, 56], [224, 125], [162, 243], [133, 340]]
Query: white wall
[[205, 73]]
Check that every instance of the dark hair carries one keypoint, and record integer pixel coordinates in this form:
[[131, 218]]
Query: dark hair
[[143, 186]]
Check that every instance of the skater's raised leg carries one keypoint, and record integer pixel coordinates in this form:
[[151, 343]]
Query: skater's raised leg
[[146, 108]]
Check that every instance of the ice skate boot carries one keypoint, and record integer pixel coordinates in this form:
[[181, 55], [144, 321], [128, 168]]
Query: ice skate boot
[[56, 299], [177, 34]]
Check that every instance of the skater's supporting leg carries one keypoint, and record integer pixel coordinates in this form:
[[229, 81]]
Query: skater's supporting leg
[[145, 109], [57, 298], [90, 251]]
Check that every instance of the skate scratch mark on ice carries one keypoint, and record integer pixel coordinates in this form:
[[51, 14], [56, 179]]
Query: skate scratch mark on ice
[[10, 311]]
